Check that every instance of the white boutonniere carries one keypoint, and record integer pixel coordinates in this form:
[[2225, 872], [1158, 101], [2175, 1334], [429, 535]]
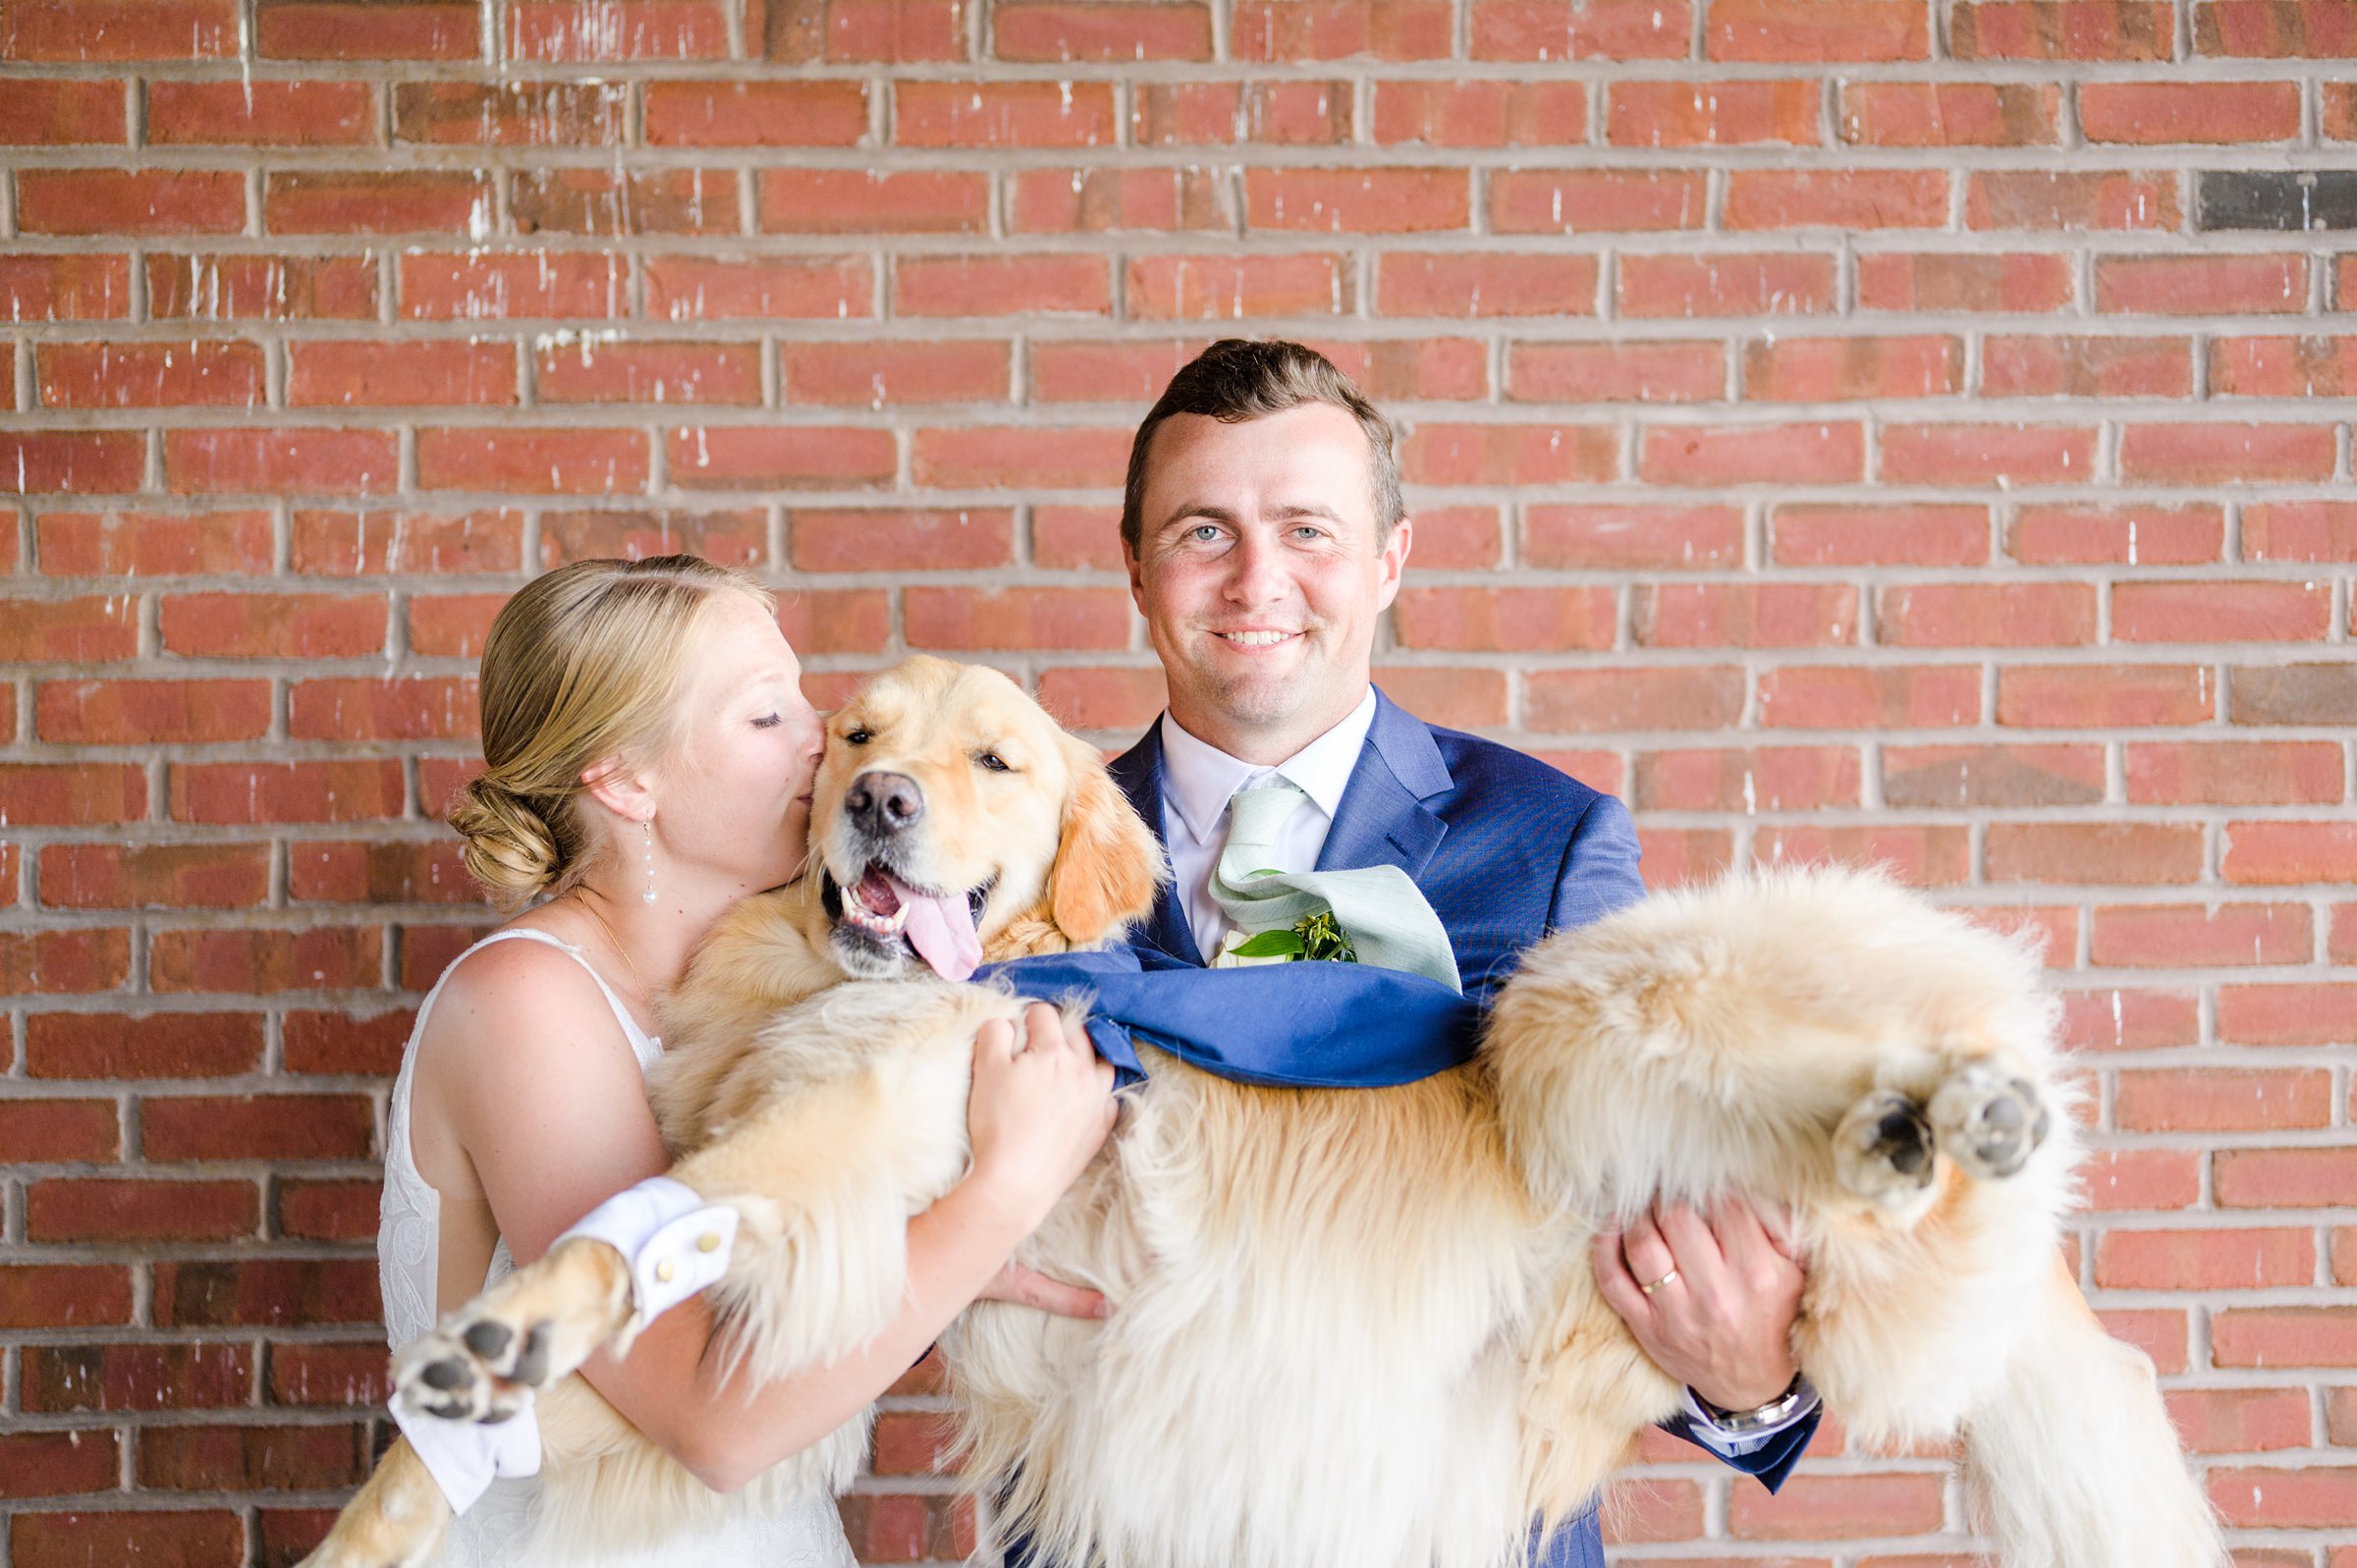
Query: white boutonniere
[[1312, 937]]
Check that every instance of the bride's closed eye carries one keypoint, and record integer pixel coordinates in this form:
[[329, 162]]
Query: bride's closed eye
[[768, 722]]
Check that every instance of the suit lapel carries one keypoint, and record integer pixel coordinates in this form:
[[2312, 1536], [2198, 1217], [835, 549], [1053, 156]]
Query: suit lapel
[[1138, 771], [1383, 820]]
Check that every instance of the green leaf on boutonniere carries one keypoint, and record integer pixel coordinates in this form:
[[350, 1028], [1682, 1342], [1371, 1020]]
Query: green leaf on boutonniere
[[1323, 936], [1269, 945]]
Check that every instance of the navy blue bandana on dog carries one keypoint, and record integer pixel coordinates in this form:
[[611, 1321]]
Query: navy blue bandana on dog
[[1295, 1025]]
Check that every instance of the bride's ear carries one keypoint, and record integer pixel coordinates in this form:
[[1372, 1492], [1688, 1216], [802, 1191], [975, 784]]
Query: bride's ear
[[620, 788]]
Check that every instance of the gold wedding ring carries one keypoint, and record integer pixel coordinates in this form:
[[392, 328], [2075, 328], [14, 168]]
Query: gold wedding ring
[[1658, 1284]]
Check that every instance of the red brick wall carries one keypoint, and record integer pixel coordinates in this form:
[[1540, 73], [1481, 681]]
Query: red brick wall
[[1853, 427]]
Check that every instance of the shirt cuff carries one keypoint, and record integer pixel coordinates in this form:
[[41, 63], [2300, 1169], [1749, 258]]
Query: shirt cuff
[[1705, 1430]]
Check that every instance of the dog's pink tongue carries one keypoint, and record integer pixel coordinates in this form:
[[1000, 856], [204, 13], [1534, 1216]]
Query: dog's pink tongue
[[941, 929]]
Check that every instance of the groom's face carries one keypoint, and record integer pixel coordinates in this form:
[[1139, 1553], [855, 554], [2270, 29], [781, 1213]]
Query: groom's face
[[1260, 574]]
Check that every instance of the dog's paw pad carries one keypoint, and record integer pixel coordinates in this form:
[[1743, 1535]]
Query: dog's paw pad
[[1991, 1123], [488, 1338], [1883, 1149]]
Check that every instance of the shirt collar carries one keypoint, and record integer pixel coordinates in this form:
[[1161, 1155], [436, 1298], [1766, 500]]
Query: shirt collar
[[1198, 778]]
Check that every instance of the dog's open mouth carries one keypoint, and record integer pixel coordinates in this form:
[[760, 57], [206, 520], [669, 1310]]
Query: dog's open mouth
[[891, 916]]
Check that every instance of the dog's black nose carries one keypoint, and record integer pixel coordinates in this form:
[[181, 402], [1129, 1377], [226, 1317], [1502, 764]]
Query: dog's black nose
[[883, 803]]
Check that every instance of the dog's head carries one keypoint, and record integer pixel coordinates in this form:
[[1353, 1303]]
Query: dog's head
[[952, 821]]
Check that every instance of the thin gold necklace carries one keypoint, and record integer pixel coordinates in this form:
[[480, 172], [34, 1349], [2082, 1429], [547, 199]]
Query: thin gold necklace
[[623, 953]]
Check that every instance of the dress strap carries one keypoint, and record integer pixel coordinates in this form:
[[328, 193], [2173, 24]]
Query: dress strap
[[642, 1044]]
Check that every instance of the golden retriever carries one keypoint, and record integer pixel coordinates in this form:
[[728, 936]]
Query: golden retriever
[[1349, 1327]]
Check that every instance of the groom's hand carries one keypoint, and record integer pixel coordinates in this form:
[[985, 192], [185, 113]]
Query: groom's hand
[[1727, 1288]]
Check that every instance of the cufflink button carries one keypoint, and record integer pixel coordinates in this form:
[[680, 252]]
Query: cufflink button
[[664, 1270]]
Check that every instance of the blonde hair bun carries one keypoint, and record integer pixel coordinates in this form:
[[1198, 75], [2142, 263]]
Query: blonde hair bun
[[510, 848]]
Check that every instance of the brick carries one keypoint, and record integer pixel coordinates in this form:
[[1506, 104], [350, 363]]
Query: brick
[[1829, 452], [329, 1210], [103, 630], [1388, 30], [38, 794], [999, 114], [71, 461], [1838, 369], [329, 1375], [1148, 30], [2282, 367], [62, 1209], [603, 202], [580, 31], [1486, 620], [1384, 201], [2240, 1420], [63, 1295], [701, 457], [2219, 611], [2283, 1178], [266, 113], [1711, 114], [337, 1043], [56, 1464], [2321, 1014], [1440, 454], [2005, 285], [990, 285], [78, 32], [1074, 372], [47, 1132], [2315, 1496], [2133, 534], [709, 289], [67, 288], [2121, 1019], [1473, 698], [1076, 536], [2062, 29], [261, 288], [1091, 698], [511, 285], [1596, 201], [2303, 29], [1747, 615], [2079, 696], [240, 626], [1748, 780], [126, 375], [877, 29], [965, 540], [58, 1378], [1016, 618], [1615, 702], [1105, 200], [62, 114], [563, 462], [1948, 114], [1623, 538], [1836, 199], [2284, 1337], [1025, 458], [153, 876], [361, 373], [252, 792], [2121, 1180], [2312, 693], [1919, 856], [2203, 1259], [265, 1292], [1480, 114], [1273, 113], [732, 538], [148, 712], [392, 203], [202, 1045], [252, 962], [1598, 30], [1971, 614], [152, 542], [2200, 935], [1489, 283], [65, 963], [402, 708], [2099, 854], [245, 1457], [2214, 112], [1679, 856], [1961, 777], [2299, 530], [2086, 367], [300, 462], [1860, 30], [256, 1128], [1685, 287], [1874, 696], [846, 620], [1929, 534], [2223, 1099], [2071, 199], [1225, 288], [1677, 372], [367, 29], [1988, 454], [2277, 201], [452, 625], [2223, 454], [855, 201], [378, 873], [2201, 284], [518, 114], [591, 371]]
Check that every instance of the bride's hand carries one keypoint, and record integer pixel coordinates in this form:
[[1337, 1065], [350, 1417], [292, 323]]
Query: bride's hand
[[1028, 1287]]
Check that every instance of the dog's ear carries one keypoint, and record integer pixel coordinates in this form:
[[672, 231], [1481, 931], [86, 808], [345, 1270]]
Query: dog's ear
[[1108, 864]]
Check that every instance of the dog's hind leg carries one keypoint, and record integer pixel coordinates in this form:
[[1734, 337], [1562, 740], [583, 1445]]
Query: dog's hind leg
[[395, 1520]]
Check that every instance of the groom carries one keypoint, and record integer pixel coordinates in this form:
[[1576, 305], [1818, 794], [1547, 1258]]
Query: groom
[[1264, 534]]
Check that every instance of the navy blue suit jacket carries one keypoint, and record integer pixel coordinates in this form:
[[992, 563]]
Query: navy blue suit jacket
[[1506, 850]]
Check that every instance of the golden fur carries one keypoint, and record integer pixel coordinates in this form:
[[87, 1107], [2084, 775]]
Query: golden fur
[[1357, 1327]]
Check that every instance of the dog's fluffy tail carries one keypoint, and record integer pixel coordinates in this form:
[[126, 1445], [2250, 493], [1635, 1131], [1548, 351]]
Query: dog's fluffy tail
[[2073, 1462]]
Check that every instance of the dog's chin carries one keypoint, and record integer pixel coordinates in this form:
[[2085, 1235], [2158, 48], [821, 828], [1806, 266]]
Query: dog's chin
[[865, 954]]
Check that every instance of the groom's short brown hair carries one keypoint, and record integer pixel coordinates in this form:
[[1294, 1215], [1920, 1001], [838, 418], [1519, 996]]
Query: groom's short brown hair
[[1238, 379]]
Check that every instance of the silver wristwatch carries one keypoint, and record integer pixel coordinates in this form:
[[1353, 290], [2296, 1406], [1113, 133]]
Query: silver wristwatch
[[1774, 1413]]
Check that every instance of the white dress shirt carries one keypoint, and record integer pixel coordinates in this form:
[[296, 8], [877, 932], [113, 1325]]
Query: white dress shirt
[[1198, 780]]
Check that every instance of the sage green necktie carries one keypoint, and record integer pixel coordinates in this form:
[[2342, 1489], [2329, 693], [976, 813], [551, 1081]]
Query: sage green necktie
[[1388, 920]]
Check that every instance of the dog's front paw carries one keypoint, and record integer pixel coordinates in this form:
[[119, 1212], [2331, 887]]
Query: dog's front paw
[[1988, 1121], [535, 1326], [1883, 1150], [447, 1374]]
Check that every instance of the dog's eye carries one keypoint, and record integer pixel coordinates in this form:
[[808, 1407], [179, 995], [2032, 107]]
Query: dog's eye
[[993, 761], [858, 737]]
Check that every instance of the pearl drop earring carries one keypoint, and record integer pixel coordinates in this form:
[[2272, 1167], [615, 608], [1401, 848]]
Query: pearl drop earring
[[648, 828]]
